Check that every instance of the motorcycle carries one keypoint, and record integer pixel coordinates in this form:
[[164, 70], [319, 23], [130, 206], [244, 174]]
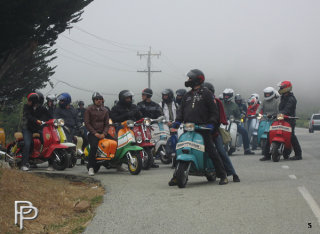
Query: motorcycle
[[51, 149], [120, 149], [232, 128], [253, 125], [191, 156], [280, 137], [263, 131], [160, 135], [142, 133]]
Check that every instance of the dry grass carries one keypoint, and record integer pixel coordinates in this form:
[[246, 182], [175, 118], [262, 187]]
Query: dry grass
[[54, 198]]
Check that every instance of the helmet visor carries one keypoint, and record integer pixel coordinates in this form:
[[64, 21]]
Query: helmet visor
[[128, 94]]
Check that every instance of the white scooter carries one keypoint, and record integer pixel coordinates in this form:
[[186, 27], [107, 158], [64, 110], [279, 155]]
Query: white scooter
[[232, 128], [253, 127]]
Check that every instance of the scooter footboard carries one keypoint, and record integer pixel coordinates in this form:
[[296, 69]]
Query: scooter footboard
[[188, 158]]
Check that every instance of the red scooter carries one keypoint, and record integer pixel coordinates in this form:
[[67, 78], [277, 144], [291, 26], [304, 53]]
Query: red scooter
[[51, 149], [142, 132], [280, 137]]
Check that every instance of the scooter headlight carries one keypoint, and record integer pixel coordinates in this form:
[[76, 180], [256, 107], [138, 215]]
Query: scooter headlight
[[61, 122], [147, 122], [189, 127], [280, 117], [259, 116], [130, 123], [139, 139]]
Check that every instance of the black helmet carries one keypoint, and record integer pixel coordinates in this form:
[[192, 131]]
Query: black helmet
[[209, 86], [95, 95], [41, 98], [181, 92], [124, 94], [80, 103], [168, 92], [148, 92], [196, 76], [33, 97]]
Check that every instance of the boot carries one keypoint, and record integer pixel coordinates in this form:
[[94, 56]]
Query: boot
[[248, 152], [223, 181], [173, 182], [236, 178], [264, 158], [296, 157]]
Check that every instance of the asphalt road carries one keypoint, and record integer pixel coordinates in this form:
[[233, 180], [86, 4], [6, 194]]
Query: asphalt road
[[281, 197]]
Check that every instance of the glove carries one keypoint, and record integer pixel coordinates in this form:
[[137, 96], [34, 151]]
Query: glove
[[210, 126], [176, 125]]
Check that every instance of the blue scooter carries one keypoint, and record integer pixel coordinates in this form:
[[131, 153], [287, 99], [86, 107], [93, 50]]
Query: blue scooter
[[263, 131], [191, 156]]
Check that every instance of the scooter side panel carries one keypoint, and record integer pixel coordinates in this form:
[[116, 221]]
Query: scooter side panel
[[233, 133], [188, 158]]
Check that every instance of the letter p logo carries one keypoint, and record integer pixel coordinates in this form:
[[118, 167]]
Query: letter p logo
[[25, 208]]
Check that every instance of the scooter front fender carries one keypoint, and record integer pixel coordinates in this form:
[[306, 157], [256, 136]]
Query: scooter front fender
[[124, 150], [188, 158], [159, 143], [52, 148]]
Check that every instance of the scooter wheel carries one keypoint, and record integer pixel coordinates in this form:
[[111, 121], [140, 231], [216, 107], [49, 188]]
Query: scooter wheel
[[275, 152], [182, 174], [136, 166]]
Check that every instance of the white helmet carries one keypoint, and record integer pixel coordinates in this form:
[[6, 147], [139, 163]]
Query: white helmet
[[255, 95], [269, 93], [228, 95]]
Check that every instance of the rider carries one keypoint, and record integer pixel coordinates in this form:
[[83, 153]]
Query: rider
[[252, 113], [197, 106], [168, 106], [125, 109], [81, 111], [67, 112], [51, 103], [242, 106], [42, 112], [287, 106], [232, 109], [179, 95], [96, 119], [30, 124], [147, 107], [217, 139], [270, 104]]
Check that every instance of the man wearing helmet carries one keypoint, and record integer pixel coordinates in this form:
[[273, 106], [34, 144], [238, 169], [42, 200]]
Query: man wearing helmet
[[51, 103], [80, 111], [168, 105], [147, 107], [232, 109], [270, 103], [67, 112], [96, 120], [125, 109], [197, 106], [179, 95], [242, 106], [287, 106], [30, 124]]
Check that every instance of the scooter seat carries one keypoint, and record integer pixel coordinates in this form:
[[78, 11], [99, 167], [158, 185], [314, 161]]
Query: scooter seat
[[19, 136]]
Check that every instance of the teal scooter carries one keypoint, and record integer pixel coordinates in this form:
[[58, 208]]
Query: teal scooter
[[263, 130], [191, 156]]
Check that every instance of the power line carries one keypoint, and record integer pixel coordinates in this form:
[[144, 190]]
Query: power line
[[149, 71], [114, 43]]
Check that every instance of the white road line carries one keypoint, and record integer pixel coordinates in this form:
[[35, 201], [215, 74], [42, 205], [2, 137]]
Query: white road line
[[311, 202], [293, 177], [285, 167]]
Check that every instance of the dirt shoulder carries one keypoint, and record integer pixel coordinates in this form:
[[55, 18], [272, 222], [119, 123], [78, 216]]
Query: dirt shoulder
[[66, 205]]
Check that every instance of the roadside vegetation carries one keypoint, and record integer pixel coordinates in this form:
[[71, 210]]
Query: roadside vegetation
[[56, 200]]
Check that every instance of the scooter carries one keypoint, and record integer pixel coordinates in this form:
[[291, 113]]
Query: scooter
[[142, 133], [51, 149], [121, 149], [232, 128], [280, 137], [253, 125], [160, 135], [191, 156], [263, 131]]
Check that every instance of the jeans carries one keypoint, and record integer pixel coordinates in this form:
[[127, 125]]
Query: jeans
[[224, 155], [27, 139], [93, 142], [243, 132]]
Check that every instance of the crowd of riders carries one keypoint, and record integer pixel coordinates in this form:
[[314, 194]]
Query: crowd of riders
[[198, 105]]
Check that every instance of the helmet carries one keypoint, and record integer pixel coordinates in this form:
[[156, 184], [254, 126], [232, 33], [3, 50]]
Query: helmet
[[80, 103], [269, 93], [33, 97], [124, 94], [255, 95], [238, 97], [168, 92], [66, 98], [284, 87], [209, 86], [148, 92], [196, 76], [96, 95], [181, 92], [252, 101], [41, 98], [227, 95], [51, 97]]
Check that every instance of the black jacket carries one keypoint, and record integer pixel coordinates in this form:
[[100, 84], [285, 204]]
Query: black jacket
[[288, 105], [29, 119], [69, 116], [198, 107], [149, 109], [122, 112], [43, 114]]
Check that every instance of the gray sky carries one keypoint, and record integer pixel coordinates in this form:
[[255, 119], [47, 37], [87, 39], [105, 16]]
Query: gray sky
[[246, 45]]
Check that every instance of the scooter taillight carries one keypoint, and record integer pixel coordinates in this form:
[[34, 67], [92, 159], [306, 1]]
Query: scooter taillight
[[185, 151]]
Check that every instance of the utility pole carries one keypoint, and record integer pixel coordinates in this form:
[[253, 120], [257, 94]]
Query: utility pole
[[149, 54]]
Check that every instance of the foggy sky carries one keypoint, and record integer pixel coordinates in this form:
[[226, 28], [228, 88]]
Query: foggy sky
[[246, 45]]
